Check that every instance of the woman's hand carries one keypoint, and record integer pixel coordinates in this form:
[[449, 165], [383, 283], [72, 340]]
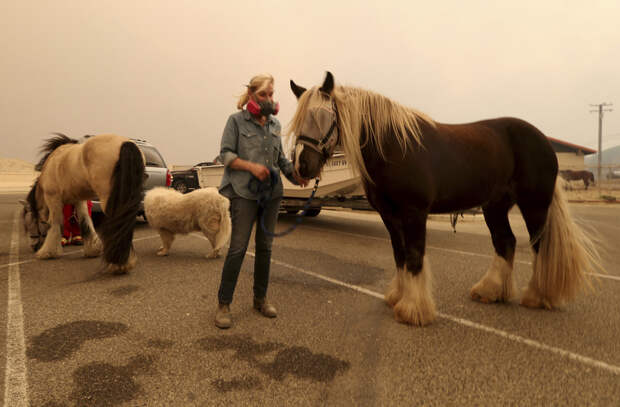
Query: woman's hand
[[259, 171], [301, 181]]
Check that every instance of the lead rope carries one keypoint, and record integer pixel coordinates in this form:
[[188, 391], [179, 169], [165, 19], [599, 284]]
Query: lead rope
[[298, 219]]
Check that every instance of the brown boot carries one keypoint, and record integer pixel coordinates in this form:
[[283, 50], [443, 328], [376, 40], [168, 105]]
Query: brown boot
[[222, 316], [265, 308]]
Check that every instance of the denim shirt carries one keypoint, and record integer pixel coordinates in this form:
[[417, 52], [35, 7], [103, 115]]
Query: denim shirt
[[244, 138]]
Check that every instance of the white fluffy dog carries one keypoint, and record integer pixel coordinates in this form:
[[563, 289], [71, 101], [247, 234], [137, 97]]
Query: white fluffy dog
[[171, 212]]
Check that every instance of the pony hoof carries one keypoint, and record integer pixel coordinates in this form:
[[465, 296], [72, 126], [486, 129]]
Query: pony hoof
[[92, 252], [46, 256], [482, 298], [162, 253], [477, 297], [118, 269], [213, 255]]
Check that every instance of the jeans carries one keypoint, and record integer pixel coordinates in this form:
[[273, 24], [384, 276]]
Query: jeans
[[244, 213]]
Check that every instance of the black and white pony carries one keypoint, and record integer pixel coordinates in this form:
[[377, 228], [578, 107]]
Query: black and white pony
[[107, 167]]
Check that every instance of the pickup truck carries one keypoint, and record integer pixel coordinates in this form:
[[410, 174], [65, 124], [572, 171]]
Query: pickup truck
[[338, 186], [185, 181]]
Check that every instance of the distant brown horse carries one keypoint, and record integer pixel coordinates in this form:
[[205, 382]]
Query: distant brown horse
[[412, 166], [586, 176]]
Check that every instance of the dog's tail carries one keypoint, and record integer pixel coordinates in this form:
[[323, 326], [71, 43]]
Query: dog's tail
[[223, 234]]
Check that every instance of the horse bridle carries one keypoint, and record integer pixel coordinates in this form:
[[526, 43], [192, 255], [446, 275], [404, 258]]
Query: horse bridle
[[38, 223], [320, 145]]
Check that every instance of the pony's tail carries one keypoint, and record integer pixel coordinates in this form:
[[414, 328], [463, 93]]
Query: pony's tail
[[123, 204], [566, 258], [223, 234]]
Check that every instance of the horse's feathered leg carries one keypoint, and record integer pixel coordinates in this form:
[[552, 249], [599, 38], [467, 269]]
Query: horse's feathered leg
[[565, 255], [52, 247], [394, 292], [497, 284], [92, 244], [416, 306]]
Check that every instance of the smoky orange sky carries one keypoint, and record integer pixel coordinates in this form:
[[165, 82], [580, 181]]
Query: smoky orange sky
[[170, 71]]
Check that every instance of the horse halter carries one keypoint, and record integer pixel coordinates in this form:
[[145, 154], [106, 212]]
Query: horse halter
[[320, 145]]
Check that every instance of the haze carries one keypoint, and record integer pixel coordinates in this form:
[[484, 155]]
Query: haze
[[170, 72]]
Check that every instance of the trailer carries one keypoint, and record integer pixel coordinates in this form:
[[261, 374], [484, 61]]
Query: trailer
[[339, 186]]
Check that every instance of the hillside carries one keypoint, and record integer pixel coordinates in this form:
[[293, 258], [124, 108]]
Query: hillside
[[610, 156], [15, 165]]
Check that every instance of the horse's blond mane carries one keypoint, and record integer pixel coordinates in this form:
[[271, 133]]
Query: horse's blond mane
[[359, 109]]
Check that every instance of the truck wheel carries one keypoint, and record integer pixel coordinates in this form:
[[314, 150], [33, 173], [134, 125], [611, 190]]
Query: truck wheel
[[180, 186], [98, 218], [313, 212]]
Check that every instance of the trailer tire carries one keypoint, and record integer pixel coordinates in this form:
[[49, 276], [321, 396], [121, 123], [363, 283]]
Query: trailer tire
[[180, 186], [312, 212]]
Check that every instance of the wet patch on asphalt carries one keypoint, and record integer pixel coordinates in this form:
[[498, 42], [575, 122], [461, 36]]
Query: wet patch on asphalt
[[297, 361], [240, 383], [160, 343], [63, 340], [124, 290], [101, 384]]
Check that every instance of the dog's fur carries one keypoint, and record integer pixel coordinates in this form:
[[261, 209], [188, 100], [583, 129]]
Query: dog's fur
[[171, 212]]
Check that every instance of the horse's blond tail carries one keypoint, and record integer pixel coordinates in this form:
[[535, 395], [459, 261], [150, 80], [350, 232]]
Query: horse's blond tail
[[566, 258], [223, 234]]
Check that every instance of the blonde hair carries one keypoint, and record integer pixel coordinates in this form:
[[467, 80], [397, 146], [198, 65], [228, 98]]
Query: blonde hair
[[360, 109], [257, 83]]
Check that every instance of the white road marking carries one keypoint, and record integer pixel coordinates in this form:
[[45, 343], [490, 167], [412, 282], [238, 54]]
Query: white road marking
[[461, 321], [64, 254], [16, 375], [464, 253], [516, 338]]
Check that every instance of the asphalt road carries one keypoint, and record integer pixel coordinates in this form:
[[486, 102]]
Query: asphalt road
[[75, 336]]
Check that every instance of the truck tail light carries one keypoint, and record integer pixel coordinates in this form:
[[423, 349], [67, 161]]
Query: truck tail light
[[168, 178]]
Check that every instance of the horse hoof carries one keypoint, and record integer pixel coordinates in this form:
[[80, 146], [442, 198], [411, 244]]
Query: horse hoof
[[117, 269], [531, 299], [46, 256], [213, 255], [485, 299], [162, 253], [415, 313], [479, 298], [92, 251]]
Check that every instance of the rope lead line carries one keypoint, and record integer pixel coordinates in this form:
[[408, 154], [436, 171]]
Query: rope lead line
[[298, 218]]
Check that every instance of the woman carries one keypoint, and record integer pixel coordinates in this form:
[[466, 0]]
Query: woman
[[251, 146]]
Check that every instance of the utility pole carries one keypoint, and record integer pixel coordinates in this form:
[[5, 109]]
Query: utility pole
[[601, 108]]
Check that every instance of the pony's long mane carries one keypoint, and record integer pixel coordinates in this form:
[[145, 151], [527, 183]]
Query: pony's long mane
[[380, 118], [32, 200], [50, 145]]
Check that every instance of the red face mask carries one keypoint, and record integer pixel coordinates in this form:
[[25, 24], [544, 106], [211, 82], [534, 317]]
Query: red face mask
[[264, 108]]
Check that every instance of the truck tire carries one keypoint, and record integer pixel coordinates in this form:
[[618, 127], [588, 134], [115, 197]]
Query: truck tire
[[97, 218], [180, 186], [312, 212]]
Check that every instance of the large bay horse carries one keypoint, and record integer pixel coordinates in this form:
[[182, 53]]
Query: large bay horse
[[412, 166], [107, 167]]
